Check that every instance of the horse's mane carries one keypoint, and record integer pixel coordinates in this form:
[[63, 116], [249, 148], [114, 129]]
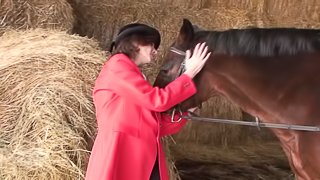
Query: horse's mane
[[262, 42]]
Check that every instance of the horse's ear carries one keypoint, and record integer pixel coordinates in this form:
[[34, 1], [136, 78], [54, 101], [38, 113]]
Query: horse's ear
[[186, 33]]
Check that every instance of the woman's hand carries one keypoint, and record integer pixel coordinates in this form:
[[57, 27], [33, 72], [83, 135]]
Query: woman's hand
[[199, 57]]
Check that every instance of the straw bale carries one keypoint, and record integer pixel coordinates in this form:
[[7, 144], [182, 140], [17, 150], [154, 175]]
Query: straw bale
[[210, 133], [203, 4], [269, 13], [47, 122], [101, 19], [287, 13], [26, 14]]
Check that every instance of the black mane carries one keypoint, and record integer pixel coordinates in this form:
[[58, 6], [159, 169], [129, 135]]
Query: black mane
[[262, 42]]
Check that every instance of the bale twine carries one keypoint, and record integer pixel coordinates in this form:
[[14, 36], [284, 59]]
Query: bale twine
[[26, 14], [47, 121]]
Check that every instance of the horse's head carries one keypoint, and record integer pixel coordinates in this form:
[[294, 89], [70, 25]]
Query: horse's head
[[173, 65]]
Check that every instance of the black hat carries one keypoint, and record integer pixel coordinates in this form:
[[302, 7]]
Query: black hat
[[137, 29]]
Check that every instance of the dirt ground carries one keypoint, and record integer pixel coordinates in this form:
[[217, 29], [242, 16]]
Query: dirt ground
[[241, 163], [222, 170]]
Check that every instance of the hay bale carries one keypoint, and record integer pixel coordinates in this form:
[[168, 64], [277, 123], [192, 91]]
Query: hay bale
[[267, 13], [47, 121], [214, 133], [101, 19], [286, 13], [26, 14]]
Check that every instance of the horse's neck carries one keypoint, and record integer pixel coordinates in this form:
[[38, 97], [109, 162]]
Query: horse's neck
[[226, 77], [222, 72], [260, 86]]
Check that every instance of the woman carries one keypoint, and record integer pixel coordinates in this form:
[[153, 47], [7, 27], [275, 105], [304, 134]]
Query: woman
[[127, 146]]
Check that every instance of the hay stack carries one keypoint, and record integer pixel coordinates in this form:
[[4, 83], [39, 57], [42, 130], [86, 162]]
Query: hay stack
[[47, 121], [268, 13], [287, 13], [101, 19], [26, 14]]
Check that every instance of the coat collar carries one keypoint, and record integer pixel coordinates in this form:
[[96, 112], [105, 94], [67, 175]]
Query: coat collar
[[126, 59]]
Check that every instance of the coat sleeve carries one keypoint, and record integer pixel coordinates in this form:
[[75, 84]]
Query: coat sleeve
[[126, 80], [168, 128]]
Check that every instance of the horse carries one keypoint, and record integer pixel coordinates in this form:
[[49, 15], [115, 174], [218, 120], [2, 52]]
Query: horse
[[270, 73]]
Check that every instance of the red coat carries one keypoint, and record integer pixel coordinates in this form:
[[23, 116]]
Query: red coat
[[129, 121]]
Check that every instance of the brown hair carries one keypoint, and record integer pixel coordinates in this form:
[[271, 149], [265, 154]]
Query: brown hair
[[128, 45]]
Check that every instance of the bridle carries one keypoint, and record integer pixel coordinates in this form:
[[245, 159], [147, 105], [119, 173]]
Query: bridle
[[181, 69], [177, 51], [182, 66]]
